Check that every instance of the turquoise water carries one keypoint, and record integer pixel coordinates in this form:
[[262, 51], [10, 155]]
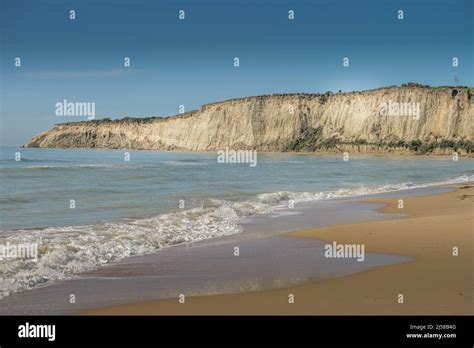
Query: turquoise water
[[36, 191], [127, 208]]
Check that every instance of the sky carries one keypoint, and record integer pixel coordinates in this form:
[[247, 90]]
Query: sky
[[190, 62]]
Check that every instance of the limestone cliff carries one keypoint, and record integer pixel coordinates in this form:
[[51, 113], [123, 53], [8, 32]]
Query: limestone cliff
[[355, 121]]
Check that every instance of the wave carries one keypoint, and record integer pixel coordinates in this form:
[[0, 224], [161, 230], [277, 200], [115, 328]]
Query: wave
[[10, 159], [64, 252], [187, 163], [69, 166], [283, 161], [63, 167], [302, 197], [111, 166]]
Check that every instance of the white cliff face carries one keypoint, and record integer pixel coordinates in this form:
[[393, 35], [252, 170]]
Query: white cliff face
[[287, 122]]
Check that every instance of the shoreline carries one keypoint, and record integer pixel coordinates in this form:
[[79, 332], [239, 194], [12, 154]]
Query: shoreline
[[274, 260], [191, 268], [433, 282], [350, 148]]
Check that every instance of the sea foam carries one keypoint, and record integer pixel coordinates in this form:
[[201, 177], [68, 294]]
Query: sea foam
[[63, 252]]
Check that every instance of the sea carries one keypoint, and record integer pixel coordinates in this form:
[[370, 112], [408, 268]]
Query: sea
[[83, 208]]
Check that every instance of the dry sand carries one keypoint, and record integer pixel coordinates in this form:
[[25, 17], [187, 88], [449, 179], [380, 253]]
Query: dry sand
[[434, 282]]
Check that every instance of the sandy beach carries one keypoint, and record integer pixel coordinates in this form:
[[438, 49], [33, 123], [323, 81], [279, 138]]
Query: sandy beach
[[434, 282]]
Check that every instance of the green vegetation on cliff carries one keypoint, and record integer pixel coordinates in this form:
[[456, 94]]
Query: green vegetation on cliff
[[311, 140]]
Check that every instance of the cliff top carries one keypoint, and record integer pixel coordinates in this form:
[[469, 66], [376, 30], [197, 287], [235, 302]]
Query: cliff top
[[409, 85]]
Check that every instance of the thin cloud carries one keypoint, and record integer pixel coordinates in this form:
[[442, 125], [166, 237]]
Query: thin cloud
[[77, 74]]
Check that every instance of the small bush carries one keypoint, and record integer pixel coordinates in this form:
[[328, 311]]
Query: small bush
[[414, 145]]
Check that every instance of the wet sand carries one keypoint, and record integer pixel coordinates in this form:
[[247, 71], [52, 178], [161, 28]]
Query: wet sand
[[267, 259], [433, 282]]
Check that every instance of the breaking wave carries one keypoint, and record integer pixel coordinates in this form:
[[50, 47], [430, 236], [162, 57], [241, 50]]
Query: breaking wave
[[64, 252]]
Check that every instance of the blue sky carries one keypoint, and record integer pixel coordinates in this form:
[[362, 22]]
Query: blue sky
[[190, 62]]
